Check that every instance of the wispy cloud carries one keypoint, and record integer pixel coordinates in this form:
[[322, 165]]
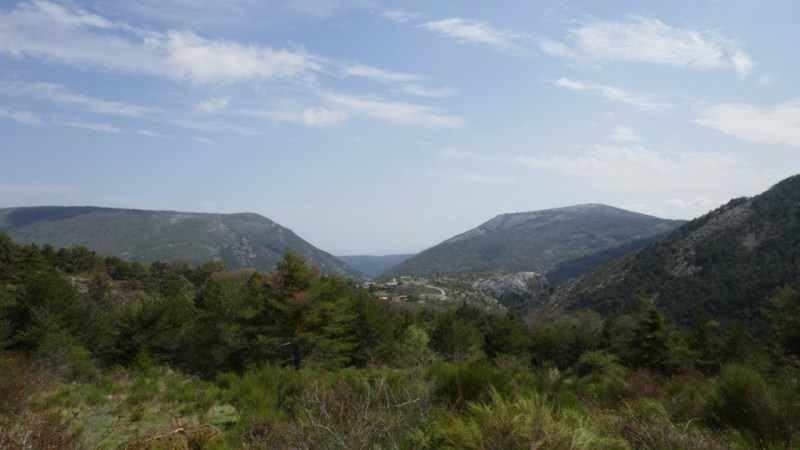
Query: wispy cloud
[[700, 202], [322, 117], [214, 126], [203, 140], [779, 124], [154, 134], [457, 153], [376, 74], [475, 32], [643, 102], [72, 36], [480, 179], [646, 40], [624, 134], [635, 168], [393, 112], [212, 105], [93, 126], [420, 91], [59, 93], [400, 16], [23, 117]]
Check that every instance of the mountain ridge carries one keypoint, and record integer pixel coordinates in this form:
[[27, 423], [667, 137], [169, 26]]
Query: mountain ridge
[[725, 264], [539, 241], [240, 240]]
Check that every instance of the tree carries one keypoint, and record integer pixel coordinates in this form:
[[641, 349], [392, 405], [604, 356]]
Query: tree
[[785, 315], [650, 345], [456, 339]]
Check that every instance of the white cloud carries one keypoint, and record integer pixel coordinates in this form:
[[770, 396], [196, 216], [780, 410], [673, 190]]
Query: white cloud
[[624, 134], [645, 40], [213, 105], [203, 140], [420, 91], [674, 207], [700, 202], [320, 117], [154, 134], [635, 168], [645, 103], [376, 74], [400, 16], [393, 112], [457, 153], [742, 63], [201, 60], [472, 31], [555, 48], [214, 127], [480, 179], [36, 189], [779, 124], [23, 117], [56, 33], [58, 93], [104, 127]]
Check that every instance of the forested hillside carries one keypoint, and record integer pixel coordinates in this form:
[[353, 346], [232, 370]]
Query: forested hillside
[[561, 241], [723, 265], [243, 240], [101, 353]]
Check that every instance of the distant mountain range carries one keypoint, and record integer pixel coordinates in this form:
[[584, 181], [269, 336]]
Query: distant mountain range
[[724, 265], [560, 243], [373, 266], [239, 240]]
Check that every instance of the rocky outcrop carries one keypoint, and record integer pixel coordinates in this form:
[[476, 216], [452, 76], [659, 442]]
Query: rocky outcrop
[[519, 290]]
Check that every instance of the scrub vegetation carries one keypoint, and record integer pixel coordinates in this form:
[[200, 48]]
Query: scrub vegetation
[[101, 353]]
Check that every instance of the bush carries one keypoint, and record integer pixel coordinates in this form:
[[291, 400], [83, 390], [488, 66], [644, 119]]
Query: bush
[[474, 381], [646, 425], [742, 400], [524, 423]]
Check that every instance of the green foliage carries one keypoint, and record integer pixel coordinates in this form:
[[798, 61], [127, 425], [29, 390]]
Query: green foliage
[[524, 423], [544, 239], [650, 344], [412, 348], [455, 338], [742, 399], [785, 315], [474, 381], [724, 265], [301, 359]]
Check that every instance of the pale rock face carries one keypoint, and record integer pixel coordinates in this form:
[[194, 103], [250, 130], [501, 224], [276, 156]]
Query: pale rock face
[[514, 290]]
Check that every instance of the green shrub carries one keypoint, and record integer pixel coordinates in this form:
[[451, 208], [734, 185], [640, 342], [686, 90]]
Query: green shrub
[[524, 423], [646, 425], [474, 381], [742, 400]]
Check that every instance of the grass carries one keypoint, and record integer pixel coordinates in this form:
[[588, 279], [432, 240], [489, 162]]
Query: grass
[[473, 405]]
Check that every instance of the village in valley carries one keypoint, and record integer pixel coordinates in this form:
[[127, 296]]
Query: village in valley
[[406, 289]]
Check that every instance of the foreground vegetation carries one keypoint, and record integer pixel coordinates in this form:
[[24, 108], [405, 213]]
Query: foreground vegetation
[[99, 353]]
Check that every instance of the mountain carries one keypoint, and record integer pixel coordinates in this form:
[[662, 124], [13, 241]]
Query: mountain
[[372, 266], [560, 242], [724, 265], [243, 240]]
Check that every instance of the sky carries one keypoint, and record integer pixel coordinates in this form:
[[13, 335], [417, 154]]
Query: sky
[[387, 127]]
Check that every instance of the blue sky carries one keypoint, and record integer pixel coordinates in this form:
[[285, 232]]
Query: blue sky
[[382, 127]]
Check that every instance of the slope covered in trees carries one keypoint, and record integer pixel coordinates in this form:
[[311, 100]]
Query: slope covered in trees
[[723, 265], [239, 240], [571, 239], [100, 353]]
